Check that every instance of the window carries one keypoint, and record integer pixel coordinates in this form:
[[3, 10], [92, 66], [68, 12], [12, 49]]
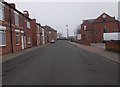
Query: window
[[29, 40], [2, 36], [38, 29], [16, 18], [1, 11], [28, 24], [85, 27], [49, 32], [17, 37]]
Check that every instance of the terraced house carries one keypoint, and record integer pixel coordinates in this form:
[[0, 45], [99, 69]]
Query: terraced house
[[39, 34], [15, 29], [51, 34], [18, 31]]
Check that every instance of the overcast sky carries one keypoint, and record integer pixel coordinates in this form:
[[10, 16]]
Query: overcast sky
[[59, 14]]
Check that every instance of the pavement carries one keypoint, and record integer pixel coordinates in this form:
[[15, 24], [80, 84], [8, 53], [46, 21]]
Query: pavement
[[10, 56], [99, 50], [98, 45], [60, 63]]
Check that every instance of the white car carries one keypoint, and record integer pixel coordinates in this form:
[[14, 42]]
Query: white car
[[52, 41]]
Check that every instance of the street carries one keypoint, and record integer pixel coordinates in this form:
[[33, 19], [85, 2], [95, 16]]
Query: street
[[60, 63]]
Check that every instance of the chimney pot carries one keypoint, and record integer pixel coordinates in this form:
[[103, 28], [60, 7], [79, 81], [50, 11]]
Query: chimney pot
[[12, 5], [26, 13]]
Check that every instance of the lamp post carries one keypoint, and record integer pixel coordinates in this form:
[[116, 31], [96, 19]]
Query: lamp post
[[67, 31]]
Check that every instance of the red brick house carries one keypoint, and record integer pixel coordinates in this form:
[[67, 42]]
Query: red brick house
[[14, 29], [18, 31], [27, 30], [87, 32], [39, 34], [42, 34], [34, 32], [92, 30], [50, 33]]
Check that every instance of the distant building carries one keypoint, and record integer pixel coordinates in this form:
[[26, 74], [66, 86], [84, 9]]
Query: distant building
[[39, 34], [92, 30], [50, 33]]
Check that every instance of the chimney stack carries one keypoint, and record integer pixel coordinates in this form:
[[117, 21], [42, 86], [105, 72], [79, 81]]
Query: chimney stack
[[12, 5], [26, 13], [34, 20]]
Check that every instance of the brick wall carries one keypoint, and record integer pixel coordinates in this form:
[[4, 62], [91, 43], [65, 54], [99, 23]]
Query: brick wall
[[110, 27], [86, 35], [34, 32], [112, 46]]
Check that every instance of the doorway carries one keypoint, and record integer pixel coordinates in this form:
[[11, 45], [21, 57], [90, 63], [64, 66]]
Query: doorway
[[23, 40]]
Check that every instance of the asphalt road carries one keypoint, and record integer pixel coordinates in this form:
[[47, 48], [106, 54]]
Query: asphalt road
[[60, 64]]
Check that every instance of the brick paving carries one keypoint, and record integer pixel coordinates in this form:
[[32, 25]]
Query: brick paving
[[100, 51]]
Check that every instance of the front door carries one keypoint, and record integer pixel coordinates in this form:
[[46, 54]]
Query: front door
[[22, 39]]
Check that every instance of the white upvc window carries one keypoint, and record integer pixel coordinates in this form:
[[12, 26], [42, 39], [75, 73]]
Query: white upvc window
[[28, 24], [49, 32], [38, 29], [2, 36], [85, 27], [1, 11], [29, 40], [16, 18], [17, 36]]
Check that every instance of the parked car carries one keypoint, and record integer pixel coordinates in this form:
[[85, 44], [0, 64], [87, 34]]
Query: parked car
[[52, 41]]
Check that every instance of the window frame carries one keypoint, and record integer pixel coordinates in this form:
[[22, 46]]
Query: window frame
[[17, 31], [85, 27], [29, 40], [2, 10], [4, 30], [28, 24], [38, 29], [16, 18]]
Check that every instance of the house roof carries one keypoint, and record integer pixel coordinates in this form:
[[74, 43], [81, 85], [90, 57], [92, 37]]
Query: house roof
[[95, 20], [48, 28], [90, 20], [16, 10]]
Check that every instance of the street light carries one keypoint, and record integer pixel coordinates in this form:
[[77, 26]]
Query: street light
[[67, 31]]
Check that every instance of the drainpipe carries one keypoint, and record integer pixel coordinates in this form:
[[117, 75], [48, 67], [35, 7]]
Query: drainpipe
[[118, 26], [11, 29], [24, 37]]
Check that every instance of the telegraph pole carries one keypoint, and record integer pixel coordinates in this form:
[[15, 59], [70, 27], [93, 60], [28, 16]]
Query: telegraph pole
[[67, 31]]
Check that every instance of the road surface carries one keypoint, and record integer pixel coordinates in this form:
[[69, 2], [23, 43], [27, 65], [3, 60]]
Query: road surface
[[60, 64]]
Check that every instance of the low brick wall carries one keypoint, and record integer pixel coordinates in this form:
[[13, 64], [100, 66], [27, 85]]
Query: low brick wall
[[112, 46]]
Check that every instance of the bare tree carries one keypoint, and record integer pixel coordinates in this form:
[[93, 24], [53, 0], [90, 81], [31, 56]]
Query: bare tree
[[59, 34], [78, 29]]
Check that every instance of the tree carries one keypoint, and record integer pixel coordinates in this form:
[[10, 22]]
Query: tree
[[78, 29], [59, 34]]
